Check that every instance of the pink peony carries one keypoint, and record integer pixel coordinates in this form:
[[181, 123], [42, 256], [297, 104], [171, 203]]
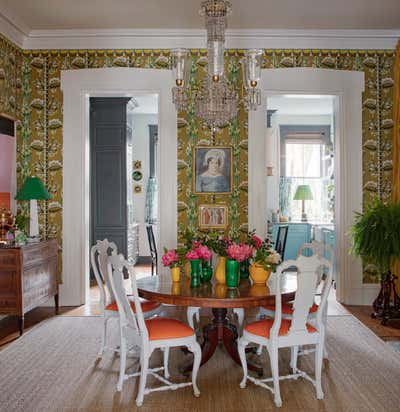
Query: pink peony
[[193, 254], [170, 258], [239, 252], [257, 241], [204, 252]]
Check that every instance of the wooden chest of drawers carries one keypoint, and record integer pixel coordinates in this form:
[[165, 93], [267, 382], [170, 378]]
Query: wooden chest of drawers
[[28, 277]]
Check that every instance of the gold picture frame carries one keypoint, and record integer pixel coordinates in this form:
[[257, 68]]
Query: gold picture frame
[[212, 170], [213, 216]]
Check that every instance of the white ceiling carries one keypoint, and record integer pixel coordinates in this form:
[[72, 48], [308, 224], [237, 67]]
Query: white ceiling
[[183, 14], [311, 105]]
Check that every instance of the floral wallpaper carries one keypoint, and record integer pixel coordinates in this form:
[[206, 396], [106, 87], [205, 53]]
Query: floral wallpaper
[[30, 91]]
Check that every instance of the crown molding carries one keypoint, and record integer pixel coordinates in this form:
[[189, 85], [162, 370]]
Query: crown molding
[[20, 34], [13, 29], [241, 39]]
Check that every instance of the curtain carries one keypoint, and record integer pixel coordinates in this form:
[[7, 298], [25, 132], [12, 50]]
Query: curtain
[[396, 146], [151, 202], [285, 186]]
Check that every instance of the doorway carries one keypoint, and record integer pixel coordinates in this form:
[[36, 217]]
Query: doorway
[[123, 176], [78, 86]]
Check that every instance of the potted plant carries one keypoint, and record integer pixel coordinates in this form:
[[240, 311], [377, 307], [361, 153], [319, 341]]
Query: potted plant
[[171, 259], [375, 237], [264, 261], [236, 253]]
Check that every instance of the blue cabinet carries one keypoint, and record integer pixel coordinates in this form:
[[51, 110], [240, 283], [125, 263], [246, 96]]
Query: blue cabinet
[[298, 233]]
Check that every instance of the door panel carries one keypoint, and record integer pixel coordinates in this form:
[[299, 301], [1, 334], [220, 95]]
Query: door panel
[[108, 178]]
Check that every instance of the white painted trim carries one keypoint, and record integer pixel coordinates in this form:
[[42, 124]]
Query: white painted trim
[[348, 87], [195, 38], [11, 30], [77, 86]]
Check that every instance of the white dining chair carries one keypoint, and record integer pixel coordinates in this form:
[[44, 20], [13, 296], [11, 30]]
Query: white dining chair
[[108, 307], [147, 335], [321, 251], [281, 332]]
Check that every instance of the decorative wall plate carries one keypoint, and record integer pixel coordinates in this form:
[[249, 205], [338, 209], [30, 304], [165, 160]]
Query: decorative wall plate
[[137, 175], [137, 189]]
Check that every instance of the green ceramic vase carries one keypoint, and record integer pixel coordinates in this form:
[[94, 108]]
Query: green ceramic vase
[[232, 273], [206, 272], [195, 265], [244, 269]]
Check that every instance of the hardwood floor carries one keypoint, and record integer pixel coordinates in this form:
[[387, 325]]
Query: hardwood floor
[[9, 325]]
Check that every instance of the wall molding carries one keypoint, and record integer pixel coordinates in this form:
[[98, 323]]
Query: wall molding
[[347, 87], [24, 37], [78, 86], [160, 38]]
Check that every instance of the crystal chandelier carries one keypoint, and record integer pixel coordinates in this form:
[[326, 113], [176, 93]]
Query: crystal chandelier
[[216, 102]]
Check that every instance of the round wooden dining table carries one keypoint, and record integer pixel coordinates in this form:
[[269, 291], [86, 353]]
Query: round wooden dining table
[[219, 298]]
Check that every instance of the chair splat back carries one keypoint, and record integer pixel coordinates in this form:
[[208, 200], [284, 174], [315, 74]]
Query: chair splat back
[[116, 266], [98, 257], [308, 278]]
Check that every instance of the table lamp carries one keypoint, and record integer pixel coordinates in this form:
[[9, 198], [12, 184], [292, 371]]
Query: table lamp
[[303, 192], [33, 190]]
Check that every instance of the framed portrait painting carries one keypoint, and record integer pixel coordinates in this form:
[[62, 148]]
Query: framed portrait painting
[[213, 216], [212, 169]]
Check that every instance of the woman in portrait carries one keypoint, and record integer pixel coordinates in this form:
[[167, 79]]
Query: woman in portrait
[[212, 179]]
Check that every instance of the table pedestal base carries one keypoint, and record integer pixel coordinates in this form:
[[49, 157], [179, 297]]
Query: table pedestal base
[[220, 330]]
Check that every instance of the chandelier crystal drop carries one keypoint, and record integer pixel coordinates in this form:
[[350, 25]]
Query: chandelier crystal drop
[[216, 102]]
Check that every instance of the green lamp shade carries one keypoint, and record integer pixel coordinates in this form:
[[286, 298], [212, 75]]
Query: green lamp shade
[[303, 192], [33, 188]]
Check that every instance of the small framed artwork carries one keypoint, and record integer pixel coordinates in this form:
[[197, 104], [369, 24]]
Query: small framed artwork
[[137, 189], [137, 164], [137, 175], [213, 216], [212, 169]]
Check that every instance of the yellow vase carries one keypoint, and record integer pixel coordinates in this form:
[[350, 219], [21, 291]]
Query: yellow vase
[[175, 288], [188, 269], [220, 270], [176, 274], [258, 274], [220, 290]]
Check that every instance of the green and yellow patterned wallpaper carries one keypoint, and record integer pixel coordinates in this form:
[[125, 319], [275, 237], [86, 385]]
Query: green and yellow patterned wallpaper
[[30, 91]]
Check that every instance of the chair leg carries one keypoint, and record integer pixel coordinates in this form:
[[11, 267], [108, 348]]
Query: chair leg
[[259, 350], [239, 312], [190, 313], [103, 336], [196, 350], [294, 351], [166, 356], [325, 321], [144, 365], [122, 364], [319, 353], [242, 343], [273, 354]]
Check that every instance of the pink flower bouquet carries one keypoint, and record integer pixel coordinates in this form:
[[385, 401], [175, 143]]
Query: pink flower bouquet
[[170, 258], [239, 252], [199, 252]]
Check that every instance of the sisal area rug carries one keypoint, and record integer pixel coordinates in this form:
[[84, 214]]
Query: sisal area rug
[[53, 367]]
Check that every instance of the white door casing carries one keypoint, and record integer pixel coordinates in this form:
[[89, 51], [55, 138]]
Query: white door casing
[[347, 86], [78, 86]]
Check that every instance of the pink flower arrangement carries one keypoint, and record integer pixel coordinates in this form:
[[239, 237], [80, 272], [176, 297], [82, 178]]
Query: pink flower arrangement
[[239, 252], [256, 241], [170, 258], [199, 252], [192, 254]]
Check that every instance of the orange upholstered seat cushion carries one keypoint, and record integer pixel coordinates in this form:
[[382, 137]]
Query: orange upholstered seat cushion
[[287, 308], [263, 327], [147, 305], [162, 328]]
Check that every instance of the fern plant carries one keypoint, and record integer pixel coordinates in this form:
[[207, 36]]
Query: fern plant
[[376, 234]]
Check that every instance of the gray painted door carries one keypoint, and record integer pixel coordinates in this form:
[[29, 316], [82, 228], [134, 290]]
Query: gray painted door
[[108, 217]]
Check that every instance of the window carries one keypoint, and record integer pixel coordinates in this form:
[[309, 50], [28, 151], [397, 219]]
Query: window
[[303, 159]]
